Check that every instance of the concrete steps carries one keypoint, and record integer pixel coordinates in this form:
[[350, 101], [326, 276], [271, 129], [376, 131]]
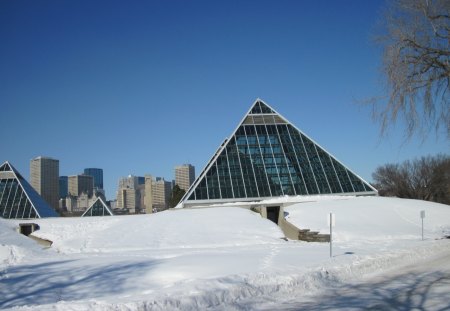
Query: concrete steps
[[294, 233], [312, 236]]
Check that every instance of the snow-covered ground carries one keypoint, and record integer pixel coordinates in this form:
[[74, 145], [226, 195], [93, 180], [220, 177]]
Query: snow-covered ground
[[229, 258]]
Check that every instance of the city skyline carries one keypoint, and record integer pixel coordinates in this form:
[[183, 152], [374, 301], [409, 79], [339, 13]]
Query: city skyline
[[138, 88]]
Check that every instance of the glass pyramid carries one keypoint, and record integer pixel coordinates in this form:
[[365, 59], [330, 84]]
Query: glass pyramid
[[18, 199], [98, 208], [267, 156]]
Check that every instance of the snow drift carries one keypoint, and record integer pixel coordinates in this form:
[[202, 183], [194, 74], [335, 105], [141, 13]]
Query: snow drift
[[219, 258]]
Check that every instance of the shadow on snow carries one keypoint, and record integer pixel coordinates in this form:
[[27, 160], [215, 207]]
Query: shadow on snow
[[418, 291], [51, 282]]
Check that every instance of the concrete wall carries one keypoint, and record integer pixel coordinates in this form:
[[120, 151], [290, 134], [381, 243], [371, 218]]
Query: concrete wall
[[291, 231]]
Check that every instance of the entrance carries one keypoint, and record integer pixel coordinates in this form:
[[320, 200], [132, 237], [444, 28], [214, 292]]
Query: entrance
[[28, 228], [272, 213]]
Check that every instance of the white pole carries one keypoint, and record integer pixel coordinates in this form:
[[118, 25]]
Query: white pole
[[422, 215], [331, 235], [422, 229]]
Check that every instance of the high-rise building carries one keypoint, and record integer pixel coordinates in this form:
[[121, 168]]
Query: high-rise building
[[44, 177], [79, 184], [63, 187], [131, 194], [143, 194], [148, 195], [184, 176], [18, 199], [97, 173], [131, 181], [161, 193], [126, 199], [266, 157]]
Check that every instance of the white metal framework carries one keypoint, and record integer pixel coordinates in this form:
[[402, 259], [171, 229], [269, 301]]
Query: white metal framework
[[267, 156], [98, 208], [18, 199]]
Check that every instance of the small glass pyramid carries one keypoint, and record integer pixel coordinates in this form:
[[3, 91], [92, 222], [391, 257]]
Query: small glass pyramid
[[98, 208], [18, 199]]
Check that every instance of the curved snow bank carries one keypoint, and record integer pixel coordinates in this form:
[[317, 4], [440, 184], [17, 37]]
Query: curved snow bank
[[13, 245], [218, 258], [243, 292], [372, 218], [205, 228]]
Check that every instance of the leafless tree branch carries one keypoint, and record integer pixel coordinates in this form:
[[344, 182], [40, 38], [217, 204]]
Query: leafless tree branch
[[416, 66]]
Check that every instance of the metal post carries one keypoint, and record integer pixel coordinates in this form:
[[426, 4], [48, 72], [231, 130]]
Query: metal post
[[422, 216], [331, 235], [422, 229]]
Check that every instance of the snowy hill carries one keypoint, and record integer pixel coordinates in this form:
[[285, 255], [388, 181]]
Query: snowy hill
[[372, 218], [224, 258]]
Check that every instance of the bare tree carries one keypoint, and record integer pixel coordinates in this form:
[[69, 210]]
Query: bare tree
[[416, 64], [427, 178]]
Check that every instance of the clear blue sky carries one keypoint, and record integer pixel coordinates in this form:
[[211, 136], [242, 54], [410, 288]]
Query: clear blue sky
[[137, 87]]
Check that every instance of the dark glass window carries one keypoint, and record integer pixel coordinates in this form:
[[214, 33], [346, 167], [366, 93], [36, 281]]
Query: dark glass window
[[329, 171], [256, 109], [303, 160], [316, 166], [343, 176], [264, 108]]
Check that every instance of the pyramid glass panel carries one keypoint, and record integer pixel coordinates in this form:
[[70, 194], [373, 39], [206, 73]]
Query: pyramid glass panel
[[18, 199], [98, 208], [267, 156]]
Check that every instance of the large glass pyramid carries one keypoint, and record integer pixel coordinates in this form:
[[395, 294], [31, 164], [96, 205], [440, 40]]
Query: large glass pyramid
[[98, 208], [18, 199], [267, 156]]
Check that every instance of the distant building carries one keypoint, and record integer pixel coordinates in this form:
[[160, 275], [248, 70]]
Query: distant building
[[44, 178], [161, 191], [184, 176], [141, 180], [143, 194], [131, 194], [79, 184], [97, 173], [131, 181], [148, 194], [80, 203], [18, 199], [63, 186], [126, 198], [112, 204]]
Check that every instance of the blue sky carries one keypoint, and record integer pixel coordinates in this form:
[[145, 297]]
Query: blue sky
[[137, 87]]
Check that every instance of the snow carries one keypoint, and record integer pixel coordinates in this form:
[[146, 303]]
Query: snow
[[228, 258], [372, 218]]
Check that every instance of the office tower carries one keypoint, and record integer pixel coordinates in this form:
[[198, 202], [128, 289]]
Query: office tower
[[18, 199], [131, 194], [184, 176], [148, 194], [161, 193], [126, 199], [44, 177], [266, 157], [131, 181], [97, 173], [79, 184], [63, 187]]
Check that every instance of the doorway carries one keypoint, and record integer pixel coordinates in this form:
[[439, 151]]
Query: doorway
[[28, 228], [273, 213]]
